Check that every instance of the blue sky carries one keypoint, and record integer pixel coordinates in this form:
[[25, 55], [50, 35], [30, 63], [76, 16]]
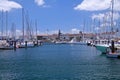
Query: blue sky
[[52, 15]]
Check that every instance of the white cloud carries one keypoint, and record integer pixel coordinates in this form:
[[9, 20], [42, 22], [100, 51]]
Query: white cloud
[[117, 5], [75, 30], [97, 28], [116, 16], [95, 5], [19, 32], [92, 5], [105, 24], [48, 32], [98, 16], [46, 6], [106, 16], [7, 5], [40, 2]]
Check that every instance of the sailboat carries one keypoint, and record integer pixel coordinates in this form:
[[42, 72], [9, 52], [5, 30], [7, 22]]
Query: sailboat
[[83, 41], [114, 53], [74, 41], [4, 43], [25, 42], [103, 45]]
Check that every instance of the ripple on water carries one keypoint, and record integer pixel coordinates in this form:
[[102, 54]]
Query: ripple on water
[[58, 62]]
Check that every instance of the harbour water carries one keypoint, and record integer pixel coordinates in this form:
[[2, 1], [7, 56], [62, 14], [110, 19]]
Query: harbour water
[[58, 62]]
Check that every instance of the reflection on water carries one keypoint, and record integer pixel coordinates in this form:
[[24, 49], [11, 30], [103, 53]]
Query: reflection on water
[[58, 62]]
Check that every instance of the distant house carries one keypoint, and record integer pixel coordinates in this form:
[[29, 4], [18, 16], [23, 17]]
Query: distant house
[[42, 37], [65, 37]]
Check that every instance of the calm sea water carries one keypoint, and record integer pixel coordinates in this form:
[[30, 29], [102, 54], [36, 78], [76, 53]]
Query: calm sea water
[[58, 62]]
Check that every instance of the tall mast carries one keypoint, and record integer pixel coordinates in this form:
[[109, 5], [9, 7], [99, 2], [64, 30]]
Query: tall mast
[[30, 29], [94, 26], [2, 24], [6, 23], [27, 25], [112, 15], [83, 30], [105, 21], [36, 27], [23, 23]]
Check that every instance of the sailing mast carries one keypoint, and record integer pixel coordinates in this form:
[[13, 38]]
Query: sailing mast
[[31, 30], [36, 28], [23, 23], [2, 24], [112, 25], [6, 24], [27, 26], [83, 31]]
